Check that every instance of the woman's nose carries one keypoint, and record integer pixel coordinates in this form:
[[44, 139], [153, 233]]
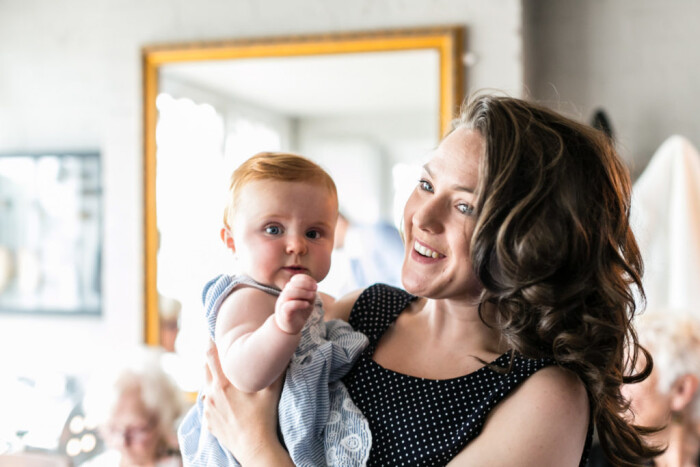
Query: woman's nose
[[429, 214], [296, 244]]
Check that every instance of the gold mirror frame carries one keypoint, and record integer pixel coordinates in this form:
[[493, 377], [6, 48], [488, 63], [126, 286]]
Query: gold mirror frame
[[447, 41]]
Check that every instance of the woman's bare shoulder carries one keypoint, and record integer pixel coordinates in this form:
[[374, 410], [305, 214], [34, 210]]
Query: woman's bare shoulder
[[564, 385], [341, 308], [545, 421]]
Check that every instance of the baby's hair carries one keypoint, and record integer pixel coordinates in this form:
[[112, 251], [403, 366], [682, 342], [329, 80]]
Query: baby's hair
[[280, 166]]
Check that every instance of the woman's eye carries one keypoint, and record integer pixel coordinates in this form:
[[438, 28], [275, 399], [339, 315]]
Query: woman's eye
[[313, 234], [273, 230], [425, 185], [465, 208]]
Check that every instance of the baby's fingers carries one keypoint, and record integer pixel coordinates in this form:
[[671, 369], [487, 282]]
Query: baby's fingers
[[303, 281], [293, 292], [292, 315], [296, 307]]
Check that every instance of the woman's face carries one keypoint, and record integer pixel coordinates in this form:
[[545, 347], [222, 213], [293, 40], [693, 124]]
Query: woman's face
[[132, 430], [649, 406], [439, 220]]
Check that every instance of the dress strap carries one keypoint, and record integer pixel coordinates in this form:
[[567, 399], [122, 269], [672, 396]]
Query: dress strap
[[377, 308], [220, 287]]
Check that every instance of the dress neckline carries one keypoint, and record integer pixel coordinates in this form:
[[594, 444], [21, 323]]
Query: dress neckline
[[501, 361]]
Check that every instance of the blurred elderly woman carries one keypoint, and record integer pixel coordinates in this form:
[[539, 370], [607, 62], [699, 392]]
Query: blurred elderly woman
[[669, 397], [136, 408]]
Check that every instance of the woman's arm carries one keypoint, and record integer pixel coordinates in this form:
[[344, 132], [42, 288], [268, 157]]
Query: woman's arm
[[340, 309], [244, 423], [542, 423]]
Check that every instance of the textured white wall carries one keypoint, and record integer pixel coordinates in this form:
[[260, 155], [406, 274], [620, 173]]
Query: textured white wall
[[70, 78], [638, 59]]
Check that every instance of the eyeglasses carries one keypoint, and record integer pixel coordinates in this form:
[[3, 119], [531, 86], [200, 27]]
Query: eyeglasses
[[135, 434], [169, 325]]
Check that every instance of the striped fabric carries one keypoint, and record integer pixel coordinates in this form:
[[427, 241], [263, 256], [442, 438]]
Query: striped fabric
[[320, 424]]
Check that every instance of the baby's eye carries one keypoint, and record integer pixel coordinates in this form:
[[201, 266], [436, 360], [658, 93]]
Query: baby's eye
[[273, 230], [465, 208], [313, 234], [425, 186]]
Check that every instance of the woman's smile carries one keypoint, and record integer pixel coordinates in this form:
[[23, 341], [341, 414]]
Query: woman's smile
[[426, 251]]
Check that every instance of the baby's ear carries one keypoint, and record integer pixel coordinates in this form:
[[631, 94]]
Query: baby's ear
[[227, 238]]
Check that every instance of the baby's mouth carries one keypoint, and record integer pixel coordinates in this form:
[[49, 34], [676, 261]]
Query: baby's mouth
[[295, 269], [425, 251]]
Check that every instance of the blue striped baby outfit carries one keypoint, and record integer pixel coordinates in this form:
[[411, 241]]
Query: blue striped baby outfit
[[320, 424]]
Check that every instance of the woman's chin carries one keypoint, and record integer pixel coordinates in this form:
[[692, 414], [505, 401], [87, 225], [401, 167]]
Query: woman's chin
[[415, 285]]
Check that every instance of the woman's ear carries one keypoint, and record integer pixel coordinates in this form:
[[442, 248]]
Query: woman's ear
[[683, 391], [227, 238]]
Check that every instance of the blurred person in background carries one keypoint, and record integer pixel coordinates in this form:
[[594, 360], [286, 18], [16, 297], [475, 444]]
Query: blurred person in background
[[136, 407], [670, 396], [169, 321], [363, 254]]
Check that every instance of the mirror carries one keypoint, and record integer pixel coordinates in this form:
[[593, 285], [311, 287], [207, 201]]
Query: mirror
[[366, 106], [51, 233]]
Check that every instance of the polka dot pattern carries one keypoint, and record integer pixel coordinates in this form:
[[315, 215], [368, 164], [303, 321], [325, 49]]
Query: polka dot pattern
[[417, 421]]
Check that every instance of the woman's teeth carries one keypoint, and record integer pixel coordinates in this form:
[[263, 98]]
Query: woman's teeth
[[425, 251]]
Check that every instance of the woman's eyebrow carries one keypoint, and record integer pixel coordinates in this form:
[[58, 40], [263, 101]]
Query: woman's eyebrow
[[467, 189]]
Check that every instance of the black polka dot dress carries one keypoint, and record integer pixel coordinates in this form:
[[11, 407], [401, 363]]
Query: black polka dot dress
[[417, 421]]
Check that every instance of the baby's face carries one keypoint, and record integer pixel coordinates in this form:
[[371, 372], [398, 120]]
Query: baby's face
[[284, 228]]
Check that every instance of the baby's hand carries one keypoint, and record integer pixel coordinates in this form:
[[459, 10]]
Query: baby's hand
[[295, 303]]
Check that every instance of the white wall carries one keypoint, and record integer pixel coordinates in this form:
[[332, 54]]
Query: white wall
[[638, 59], [70, 78]]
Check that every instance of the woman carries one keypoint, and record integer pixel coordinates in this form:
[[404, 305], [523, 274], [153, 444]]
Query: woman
[[136, 407], [670, 396], [520, 265]]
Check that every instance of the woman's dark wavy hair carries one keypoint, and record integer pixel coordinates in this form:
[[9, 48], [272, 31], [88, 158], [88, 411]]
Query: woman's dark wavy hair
[[555, 253]]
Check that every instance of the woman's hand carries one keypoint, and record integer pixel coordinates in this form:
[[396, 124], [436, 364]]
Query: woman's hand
[[244, 423]]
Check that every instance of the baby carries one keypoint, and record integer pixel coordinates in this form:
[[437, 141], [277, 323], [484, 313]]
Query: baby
[[279, 223]]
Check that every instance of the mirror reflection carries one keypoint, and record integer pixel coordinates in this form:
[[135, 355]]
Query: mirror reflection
[[50, 234], [368, 118]]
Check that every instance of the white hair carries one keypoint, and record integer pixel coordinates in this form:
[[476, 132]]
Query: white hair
[[143, 373], [673, 339], [169, 308]]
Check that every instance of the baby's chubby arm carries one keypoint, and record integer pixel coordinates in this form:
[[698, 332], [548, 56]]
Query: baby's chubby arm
[[257, 333]]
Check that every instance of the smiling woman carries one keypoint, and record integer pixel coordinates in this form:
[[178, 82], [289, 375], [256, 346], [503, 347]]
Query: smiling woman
[[517, 311], [135, 406], [363, 105], [442, 202]]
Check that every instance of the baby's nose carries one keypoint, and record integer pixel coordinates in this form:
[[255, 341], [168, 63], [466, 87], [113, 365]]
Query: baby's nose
[[296, 245]]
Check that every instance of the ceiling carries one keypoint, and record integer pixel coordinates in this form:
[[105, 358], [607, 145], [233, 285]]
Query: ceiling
[[322, 85]]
